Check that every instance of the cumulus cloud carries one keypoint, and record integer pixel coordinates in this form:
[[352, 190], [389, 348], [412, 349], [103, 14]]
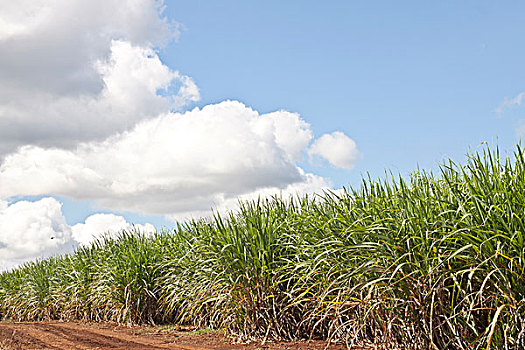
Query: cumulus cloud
[[99, 224], [177, 162], [50, 46], [510, 102], [337, 148], [33, 230], [310, 184], [74, 70], [30, 230], [88, 110]]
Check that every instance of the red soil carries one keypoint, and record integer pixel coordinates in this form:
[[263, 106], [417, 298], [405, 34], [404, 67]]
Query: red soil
[[76, 335]]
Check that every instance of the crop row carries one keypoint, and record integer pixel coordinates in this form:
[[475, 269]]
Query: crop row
[[433, 261]]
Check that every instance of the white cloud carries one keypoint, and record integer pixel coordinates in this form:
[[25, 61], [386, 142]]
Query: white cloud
[[50, 46], [177, 162], [75, 71], [340, 150], [32, 230], [510, 102], [87, 111], [100, 224], [310, 184], [292, 134]]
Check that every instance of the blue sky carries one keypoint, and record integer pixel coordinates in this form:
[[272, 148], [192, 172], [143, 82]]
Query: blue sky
[[113, 113], [412, 82]]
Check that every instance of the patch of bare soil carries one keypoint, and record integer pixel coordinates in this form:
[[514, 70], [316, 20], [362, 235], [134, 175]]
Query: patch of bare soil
[[77, 335]]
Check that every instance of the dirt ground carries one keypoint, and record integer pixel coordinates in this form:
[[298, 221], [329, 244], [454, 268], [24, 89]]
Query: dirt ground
[[76, 335]]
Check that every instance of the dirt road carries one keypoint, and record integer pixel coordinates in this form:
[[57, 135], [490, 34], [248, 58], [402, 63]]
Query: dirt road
[[73, 335], [54, 335]]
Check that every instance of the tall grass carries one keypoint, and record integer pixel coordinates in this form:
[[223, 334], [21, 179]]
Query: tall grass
[[435, 261]]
